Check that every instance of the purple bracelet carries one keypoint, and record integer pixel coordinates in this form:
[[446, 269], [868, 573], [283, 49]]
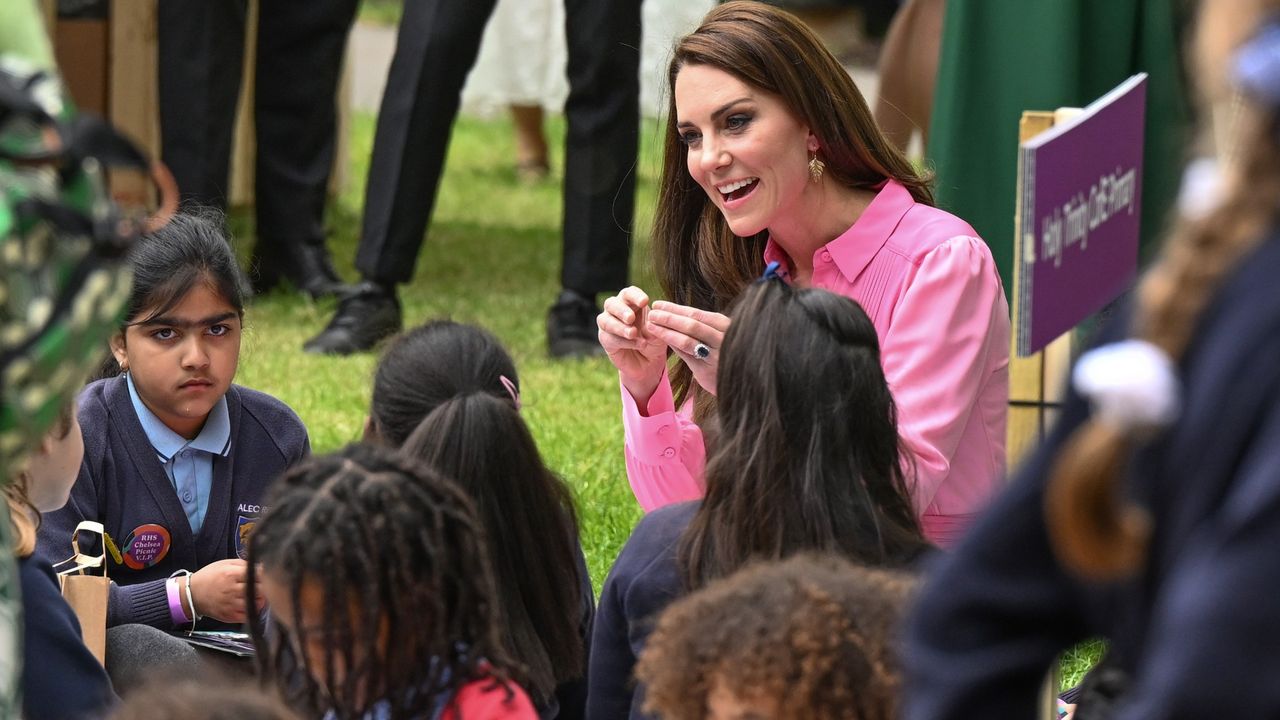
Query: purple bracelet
[[176, 613]]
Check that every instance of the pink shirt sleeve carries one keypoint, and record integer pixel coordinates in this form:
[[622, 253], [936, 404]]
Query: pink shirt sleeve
[[664, 450], [939, 354]]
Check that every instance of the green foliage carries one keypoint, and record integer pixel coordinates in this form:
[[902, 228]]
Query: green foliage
[[492, 257], [381, 12]]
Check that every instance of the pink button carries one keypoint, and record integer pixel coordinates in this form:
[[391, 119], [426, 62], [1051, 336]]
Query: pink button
[[669, 453], [826, 256]]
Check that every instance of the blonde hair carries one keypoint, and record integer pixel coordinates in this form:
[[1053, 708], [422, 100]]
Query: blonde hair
[[1093, 532], [23, 516]]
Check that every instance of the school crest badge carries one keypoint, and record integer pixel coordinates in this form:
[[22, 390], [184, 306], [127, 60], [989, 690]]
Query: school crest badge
[[244, 530]]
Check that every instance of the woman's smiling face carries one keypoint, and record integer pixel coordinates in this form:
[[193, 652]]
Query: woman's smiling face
[[746, 149]]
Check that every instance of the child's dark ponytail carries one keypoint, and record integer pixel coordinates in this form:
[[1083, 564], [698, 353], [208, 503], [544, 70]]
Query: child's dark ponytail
[[480, 440], [448, 394]]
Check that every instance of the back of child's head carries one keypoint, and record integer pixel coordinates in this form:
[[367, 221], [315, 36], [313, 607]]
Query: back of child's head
[[23, 514], [382, 569], [431, 364], [804, 453], [202, 699], [809, 638], [458, 384]]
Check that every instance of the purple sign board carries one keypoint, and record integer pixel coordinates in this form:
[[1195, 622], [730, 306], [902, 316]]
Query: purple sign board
[[1080, 187]]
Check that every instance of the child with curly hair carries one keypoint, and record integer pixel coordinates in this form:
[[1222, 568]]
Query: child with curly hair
[[809, 638]]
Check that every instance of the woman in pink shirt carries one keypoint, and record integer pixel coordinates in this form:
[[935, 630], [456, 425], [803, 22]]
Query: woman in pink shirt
[[772, 155]]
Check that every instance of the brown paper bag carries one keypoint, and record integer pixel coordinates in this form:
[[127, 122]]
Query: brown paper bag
[[87, 594]]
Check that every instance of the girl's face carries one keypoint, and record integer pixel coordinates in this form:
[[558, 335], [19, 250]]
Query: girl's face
[[749, 152], [53, 468], [312, 638], [183, 361], [305, 619]]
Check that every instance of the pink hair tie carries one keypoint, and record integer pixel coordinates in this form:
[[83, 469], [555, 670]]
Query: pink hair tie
[[511, 389]]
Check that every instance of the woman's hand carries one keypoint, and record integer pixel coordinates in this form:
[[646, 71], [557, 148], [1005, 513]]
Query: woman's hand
[[640, 358], [683, 328], [217, 589]]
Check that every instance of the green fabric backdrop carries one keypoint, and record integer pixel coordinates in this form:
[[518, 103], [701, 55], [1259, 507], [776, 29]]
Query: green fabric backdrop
[[1001, 57]]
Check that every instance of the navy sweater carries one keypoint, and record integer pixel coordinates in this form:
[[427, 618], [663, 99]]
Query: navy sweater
[[123, 485], [61, 679], [1196, 629], [642, 582]]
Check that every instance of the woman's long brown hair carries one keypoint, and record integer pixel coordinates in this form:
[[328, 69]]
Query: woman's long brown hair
[[1094, 532], [699, 261]]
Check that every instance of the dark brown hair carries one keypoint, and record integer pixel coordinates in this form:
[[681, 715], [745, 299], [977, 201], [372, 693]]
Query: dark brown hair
[[815, 635], [446, 380], [699, 261], [804, 453], [1095, 533]]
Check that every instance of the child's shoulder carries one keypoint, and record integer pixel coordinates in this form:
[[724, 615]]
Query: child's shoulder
[[265, 415], [97, 397]]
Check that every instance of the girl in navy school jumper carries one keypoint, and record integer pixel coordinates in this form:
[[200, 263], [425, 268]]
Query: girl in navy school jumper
[[782, 478], [61, 679], [448, 393], [177, 459], [383, 605], [1150, 516]]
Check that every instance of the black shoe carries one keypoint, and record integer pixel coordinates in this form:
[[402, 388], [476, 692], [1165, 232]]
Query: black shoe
[[368, 314], [307, 267], [571, 327]]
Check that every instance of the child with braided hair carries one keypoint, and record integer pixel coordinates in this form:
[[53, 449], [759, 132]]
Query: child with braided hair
[[382, 602]]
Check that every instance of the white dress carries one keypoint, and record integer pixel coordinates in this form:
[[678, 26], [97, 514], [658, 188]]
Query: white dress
[[523, 56]]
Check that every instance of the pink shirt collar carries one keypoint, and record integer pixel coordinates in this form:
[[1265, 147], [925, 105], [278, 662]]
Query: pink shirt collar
[[855, 247]]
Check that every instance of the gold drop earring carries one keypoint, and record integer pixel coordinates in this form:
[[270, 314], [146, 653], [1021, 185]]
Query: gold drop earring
[[816, 168]]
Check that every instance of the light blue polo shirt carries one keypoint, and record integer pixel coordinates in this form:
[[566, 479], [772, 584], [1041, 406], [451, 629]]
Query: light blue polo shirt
[[189, 464]]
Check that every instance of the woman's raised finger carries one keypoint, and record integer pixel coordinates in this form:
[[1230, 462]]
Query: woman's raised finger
[[706, 317], [700, 332], [610, 325]]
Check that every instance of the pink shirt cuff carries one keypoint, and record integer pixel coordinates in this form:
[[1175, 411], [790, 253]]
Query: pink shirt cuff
[[654, 436]]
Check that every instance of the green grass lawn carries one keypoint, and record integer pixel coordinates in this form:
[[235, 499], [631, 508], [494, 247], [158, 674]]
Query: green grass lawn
[[492, 257]]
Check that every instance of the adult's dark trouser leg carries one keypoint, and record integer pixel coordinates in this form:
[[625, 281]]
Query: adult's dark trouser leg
[[200, 55], [436, 47], [603, 114], [299, 61]]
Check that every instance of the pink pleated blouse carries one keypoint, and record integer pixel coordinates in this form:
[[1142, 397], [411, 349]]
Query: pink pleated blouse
[[930, 286]]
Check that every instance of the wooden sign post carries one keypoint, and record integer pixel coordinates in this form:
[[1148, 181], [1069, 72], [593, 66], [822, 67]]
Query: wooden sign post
[[1077, 226]]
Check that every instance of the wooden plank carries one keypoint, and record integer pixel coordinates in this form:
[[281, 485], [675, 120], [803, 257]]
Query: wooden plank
[[245, 145], [49, 8], [133, 97], [1026, 375]]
